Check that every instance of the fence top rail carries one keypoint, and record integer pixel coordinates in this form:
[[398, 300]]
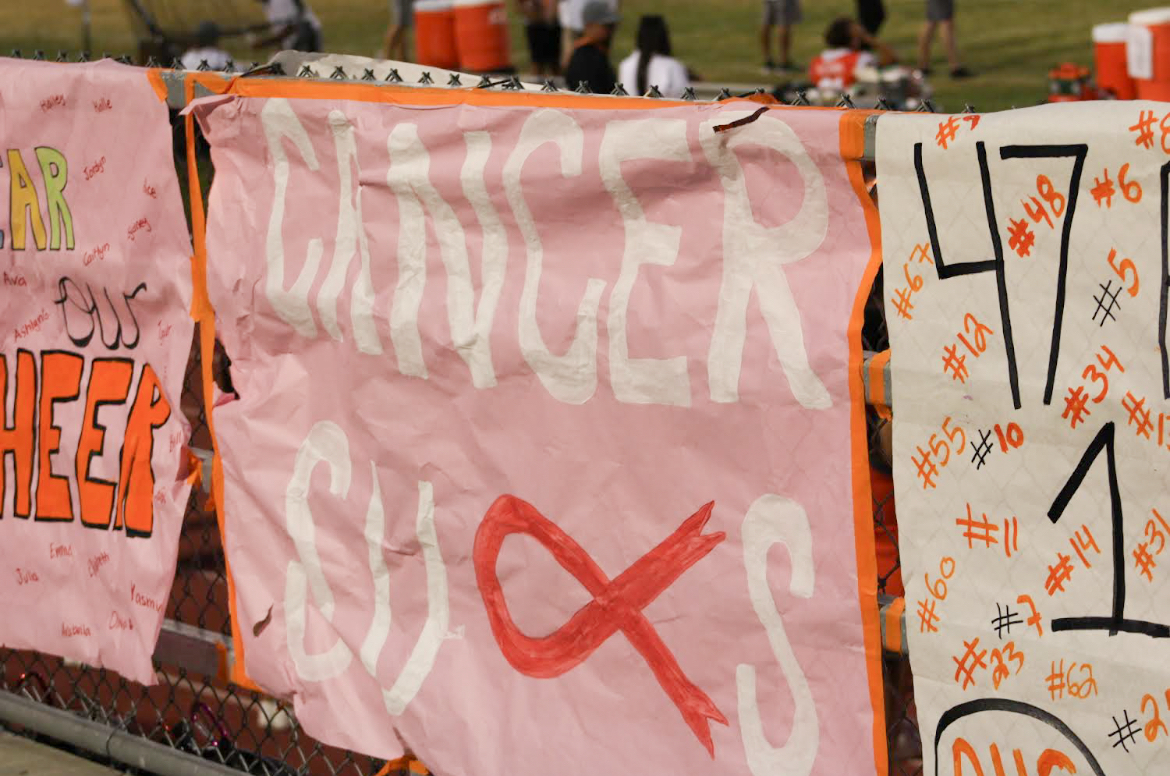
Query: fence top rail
[[294, 66]]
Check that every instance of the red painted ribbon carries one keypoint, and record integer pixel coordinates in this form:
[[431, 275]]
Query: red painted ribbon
[[617, 604]]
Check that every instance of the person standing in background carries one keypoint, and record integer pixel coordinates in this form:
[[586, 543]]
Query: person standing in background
[[293, 26], [589, 63], [940, 13], [570, 14], [544, 35], [206, 49], [652, 64], [397, 45], [871, 14], [783, 15]]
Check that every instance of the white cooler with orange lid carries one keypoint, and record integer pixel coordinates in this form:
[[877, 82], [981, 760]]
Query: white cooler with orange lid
[[1109, 42], [1147, 53], [434, 33], [481, 29]]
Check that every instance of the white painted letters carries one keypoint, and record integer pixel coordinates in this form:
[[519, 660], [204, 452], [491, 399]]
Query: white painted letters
[[327, 443], [642, 380], [754, 255], [351, 236], [773, 520], [291, 305], [409, 178], [572, 377]]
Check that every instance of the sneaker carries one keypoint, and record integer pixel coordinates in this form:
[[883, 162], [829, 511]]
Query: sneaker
[[790, 67], [961, 72], [925, 71], [769, 68]]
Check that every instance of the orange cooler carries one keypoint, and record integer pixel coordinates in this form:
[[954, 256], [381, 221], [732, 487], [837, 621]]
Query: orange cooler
[[434, 30], [1147, 53], [481, 28], [1109, 51]]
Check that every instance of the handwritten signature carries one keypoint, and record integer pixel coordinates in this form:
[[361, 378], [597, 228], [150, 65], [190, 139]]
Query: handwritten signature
[[141, 600], [137, 226], [117, 623], [96, 563], [31, 326], [95, 168], [49, 103], [98, 253]]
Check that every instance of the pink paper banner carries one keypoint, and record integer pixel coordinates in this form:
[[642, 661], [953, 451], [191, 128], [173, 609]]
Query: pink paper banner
[[528, 400], [94, 338]]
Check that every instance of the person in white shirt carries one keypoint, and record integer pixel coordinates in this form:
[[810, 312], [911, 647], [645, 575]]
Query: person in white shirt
[[652, 64], [293, 26], [206, 49]]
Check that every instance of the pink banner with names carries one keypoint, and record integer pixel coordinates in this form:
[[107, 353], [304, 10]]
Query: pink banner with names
[[95, 332], [540, 458]]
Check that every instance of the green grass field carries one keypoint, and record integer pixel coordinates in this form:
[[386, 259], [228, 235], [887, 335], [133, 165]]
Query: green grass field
[[1011, 44]]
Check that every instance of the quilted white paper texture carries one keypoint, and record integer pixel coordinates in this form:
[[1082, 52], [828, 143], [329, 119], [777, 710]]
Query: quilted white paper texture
[[1025, 282]]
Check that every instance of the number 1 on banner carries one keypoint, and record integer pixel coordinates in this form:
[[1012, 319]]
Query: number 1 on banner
[[1116, 622], [995, 265]]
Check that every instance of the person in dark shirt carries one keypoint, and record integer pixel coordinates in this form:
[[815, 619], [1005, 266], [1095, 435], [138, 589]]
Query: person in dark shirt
[[871, 14], [590, 61]]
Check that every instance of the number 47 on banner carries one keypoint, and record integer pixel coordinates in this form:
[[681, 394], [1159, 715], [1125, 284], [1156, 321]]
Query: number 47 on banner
[[1076, 152], [996, 264]]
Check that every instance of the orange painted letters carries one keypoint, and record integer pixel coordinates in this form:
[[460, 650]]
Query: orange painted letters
[[136, 501], [18, 434], [109, 383], [60, 382]]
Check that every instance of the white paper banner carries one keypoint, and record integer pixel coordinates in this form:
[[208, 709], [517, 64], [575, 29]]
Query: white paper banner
[[1026, 293]]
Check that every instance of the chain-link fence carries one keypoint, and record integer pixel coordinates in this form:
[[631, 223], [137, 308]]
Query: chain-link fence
[[194, 710]]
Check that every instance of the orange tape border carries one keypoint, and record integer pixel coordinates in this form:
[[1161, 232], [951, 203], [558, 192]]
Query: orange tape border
[[203, 314], [852, 130]]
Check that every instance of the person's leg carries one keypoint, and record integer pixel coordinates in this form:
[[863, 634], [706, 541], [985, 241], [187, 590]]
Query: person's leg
[[924, 42], [767, 24], [948, 30], [395, 33], [394, 40], [407, 24], [791, 16], [568, 38], [543, 47], [532, 35], [948, 36], [555, 48]]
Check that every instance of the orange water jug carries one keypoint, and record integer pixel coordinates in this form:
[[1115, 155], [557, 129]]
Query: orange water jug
[[481, 29], [1147, 53], [1109, 54], [434, 30]]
